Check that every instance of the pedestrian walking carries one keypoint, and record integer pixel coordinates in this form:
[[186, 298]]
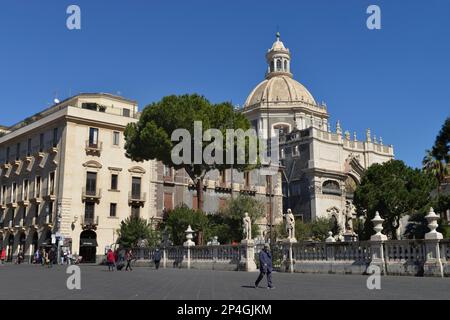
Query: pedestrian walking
[[157, 258], [51, 257], [110, 260], [20, 257], [2, 256], [129, 257], [37, 257], [265, 267]]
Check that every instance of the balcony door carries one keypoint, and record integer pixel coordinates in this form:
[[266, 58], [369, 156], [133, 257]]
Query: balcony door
[[136, 188], [93, 137], [89, 213], [91, 184]]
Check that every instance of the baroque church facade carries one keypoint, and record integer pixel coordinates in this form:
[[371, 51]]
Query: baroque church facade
[[320, 168]]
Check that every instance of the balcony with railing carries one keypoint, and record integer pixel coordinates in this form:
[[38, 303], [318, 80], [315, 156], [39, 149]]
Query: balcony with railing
[[247, 189], [223, 186], [11, 201], [23, 198], [94, 148], [49, 194], [92, 194], [48, 220], [89, 222], [135, 198]]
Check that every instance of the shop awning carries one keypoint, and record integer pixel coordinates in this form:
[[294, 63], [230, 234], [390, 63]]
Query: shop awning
[[88, 242]]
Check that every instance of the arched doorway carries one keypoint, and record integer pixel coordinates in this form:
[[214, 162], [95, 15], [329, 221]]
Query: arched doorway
[[10, 248], [88, 246]]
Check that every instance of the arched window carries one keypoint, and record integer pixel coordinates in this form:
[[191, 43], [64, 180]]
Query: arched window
[[285, 65], [279, 65], [331, 187], [272, 66]]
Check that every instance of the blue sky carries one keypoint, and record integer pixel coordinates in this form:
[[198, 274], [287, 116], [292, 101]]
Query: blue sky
[[394, 80]]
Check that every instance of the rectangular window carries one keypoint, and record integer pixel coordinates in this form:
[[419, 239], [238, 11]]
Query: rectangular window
[[135, 211], [116, 138], [167, 171], [136, 187], [52, 184], [113, 210], [14, 193], [223, 176], [38, 187], [29, 148], [55, 137], [41, 142], [247, 179], [126, 112], [89, 212], [91, 184], [25, 190], [18, 151], [93, 137], [50, 211], [114, 181]]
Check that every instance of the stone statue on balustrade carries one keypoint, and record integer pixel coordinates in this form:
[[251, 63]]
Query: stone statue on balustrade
[[349, 211], [247, 227], [290, 225]]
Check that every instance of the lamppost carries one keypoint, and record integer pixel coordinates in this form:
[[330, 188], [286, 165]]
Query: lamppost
[[58, 232]]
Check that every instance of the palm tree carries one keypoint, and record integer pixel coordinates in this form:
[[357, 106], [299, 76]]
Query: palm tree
[[437, 168]]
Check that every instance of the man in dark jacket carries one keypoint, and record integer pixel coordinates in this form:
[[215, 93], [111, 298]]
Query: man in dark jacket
[[265, 267], [157, 258]]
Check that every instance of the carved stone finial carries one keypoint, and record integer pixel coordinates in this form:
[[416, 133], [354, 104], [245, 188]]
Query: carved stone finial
[[338, 128], [354, 136], [329, 127], [432, 219], [368, 138], [381, 141], [378, 227]]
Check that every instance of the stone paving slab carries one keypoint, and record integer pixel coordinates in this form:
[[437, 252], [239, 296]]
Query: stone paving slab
[[37, 282]]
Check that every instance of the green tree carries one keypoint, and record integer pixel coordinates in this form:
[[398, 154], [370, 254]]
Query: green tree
[[394, 190], [134, 229], [435, 167], [441, 148], [179, 219], [150, 138], [234, 211]]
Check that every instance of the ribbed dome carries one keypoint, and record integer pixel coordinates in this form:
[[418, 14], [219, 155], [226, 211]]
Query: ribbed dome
[[279, 89]]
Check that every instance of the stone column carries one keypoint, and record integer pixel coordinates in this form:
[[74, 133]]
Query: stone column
[[377, 244], [289, 263], [248, 261], [329, 247], [188, 244], [433, 263]]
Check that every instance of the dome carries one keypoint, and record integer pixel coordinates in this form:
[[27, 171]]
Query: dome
[[279, 89]]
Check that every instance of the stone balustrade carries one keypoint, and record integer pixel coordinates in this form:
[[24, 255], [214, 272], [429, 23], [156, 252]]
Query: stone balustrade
[[429, 257]]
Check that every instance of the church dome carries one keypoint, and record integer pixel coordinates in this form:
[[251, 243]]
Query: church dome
[[279, 86], [279, 89]]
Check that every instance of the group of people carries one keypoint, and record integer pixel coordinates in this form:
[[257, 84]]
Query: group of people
[[117, 259]]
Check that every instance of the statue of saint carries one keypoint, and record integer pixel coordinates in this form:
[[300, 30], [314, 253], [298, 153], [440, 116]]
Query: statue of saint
[[247, 226], [349, 210], [290, 224]]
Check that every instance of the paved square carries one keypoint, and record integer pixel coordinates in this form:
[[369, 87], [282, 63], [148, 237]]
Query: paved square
[[36, 282]]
